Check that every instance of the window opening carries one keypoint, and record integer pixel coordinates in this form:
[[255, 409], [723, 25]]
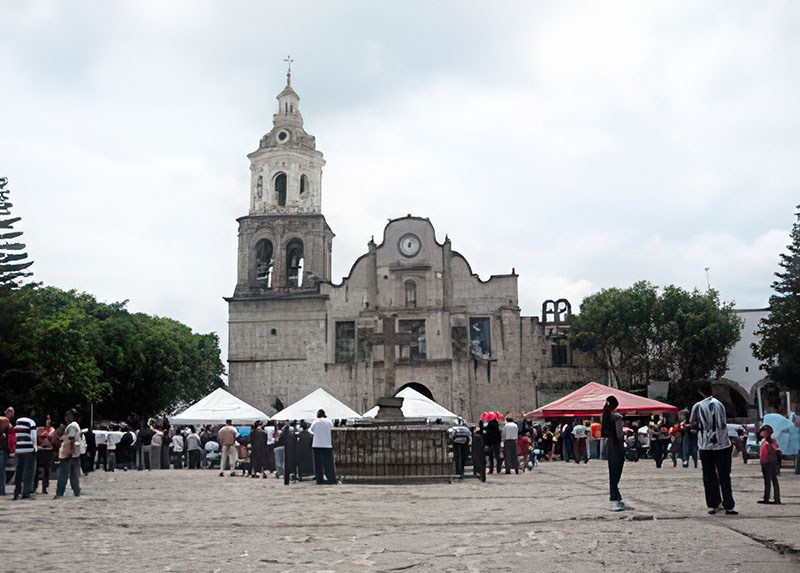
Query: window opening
[[417, 349], [259, 186], [264, 262], [273, 332], [294, 263], [345, 341], [303, 184], [559, 355], [280, 189], [411, 294], [480, 336]]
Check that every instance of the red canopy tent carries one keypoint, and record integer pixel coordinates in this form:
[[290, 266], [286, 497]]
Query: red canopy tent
[[589, 400]]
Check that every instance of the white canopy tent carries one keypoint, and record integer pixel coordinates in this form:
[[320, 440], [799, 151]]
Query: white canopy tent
[[417, 405], [306, 408], [217, 407]]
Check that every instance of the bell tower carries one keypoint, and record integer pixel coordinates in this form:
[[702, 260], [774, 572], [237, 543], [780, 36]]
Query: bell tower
[[284, 241]]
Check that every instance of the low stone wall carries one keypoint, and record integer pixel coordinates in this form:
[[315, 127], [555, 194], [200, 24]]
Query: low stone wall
[[394, 451]]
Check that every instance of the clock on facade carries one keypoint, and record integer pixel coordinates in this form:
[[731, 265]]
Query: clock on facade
[[409, 245]]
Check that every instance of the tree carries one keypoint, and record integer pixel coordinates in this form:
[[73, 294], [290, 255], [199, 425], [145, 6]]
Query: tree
[[641, 334], [63, 349], [12, 255], [779, 344]]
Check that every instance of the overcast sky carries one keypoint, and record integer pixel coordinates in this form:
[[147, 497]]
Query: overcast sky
[[587, 145]]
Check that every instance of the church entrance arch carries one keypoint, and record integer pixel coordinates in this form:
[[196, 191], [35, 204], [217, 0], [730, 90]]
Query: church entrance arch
[[421, 388]]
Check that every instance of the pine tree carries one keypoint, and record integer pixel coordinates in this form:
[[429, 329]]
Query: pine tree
[[779, 346], [12, 252]]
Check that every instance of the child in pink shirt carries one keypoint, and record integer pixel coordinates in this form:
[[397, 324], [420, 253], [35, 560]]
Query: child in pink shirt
[[770, 455]]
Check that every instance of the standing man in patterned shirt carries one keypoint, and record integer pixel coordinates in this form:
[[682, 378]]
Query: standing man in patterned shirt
[[708, 416]]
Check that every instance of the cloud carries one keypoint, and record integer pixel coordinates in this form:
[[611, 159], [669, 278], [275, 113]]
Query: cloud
[[584, 145]]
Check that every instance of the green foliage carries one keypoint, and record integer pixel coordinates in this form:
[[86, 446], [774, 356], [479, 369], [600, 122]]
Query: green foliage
[[60, 350], [642, 334], [779, 346], [13, 263]]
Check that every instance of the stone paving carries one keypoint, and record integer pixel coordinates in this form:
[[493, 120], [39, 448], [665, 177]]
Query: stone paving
[[551, 519]]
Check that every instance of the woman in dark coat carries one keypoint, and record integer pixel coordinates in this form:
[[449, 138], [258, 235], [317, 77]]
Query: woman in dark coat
[[611, 429], [258, 451]]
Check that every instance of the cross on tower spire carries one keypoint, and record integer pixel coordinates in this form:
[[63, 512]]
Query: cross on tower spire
[[288, 60]]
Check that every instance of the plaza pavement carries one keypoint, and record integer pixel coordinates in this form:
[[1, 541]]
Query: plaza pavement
[[551, 519]]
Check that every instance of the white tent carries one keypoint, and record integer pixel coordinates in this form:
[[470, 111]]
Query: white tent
[[416, 405], [306, 408], [218, 407]]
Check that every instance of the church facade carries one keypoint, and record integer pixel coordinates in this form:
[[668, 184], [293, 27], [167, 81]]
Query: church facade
[[411, 311]]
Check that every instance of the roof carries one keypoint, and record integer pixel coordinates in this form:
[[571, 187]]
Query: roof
[[217, 407], [589, 400], [306, 408], [417, 405]]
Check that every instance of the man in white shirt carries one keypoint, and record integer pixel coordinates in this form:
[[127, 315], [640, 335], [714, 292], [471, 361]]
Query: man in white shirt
[[69, 458], [708, 416], [323, 450], [510, 435], [113, 437]]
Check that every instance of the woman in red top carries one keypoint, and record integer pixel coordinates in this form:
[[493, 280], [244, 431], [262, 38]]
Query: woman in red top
[[770, 455]]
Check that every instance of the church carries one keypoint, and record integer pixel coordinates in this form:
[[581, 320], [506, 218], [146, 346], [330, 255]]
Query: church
[[411, 311]]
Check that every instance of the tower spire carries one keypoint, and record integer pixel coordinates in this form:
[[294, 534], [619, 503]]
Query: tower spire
[[288, 60]]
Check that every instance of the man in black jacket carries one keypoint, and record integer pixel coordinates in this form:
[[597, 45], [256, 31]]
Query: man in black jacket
[[492, 439]]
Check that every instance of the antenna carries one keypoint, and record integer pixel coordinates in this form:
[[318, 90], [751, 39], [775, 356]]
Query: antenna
[[708, 280]]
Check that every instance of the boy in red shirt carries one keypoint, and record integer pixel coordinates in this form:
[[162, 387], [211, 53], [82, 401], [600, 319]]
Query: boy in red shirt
[[770, 455]]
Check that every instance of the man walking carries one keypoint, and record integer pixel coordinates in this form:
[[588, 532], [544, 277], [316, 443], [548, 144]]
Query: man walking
[[25, 431], [323, 450], [708, 416], [510, 435], [69, 457]]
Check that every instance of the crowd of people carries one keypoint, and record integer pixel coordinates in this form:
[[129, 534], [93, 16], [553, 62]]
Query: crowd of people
[[293, 450], [30, 452]]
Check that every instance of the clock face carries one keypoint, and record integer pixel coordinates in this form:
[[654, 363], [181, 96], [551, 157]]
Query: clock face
[[409, 245]]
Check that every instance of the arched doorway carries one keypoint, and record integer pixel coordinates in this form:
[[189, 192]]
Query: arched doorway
[[421, 388]]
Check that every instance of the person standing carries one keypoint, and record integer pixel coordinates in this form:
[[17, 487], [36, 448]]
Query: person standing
[[101, 440], [688, 442], [676, 448], [258, 450], [155, 447], [227, 436], [478, 456], [566, 445], [177, 450], [492, 439], [579, 440], [48, 442], [87, 461], [708, 416], [322, 447], [5, 431], [145, 440], [770, 455], [510, 435], [27, 445], [461, 437], [69, 458], [280, 451], [611, 429], [194, 447], [270, 431]]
